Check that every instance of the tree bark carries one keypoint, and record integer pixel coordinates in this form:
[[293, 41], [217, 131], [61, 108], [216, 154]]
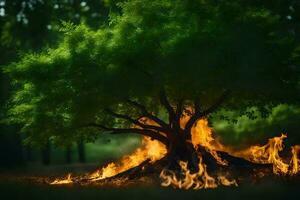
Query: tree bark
[[68, 154], [46, 153], [183, 150], [28, 150], [81, 151], [165, 102], [145, 132], [200, 114]]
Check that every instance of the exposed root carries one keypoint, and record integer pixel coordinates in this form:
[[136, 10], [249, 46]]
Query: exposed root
[[213, 161]]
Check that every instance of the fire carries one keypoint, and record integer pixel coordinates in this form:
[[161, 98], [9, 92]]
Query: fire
[[201, 136], [151, 150], [270, 154], [199, 180], [267, 154], [67, 180], [295, 162]]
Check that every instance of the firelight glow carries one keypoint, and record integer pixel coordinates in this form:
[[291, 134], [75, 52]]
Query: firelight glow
[[202, 135]]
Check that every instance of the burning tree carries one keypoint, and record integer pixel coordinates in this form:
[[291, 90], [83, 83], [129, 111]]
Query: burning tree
[[160, 69]]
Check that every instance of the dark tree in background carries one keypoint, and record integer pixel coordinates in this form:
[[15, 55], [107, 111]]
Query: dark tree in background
[[28, 25], [153, 59]]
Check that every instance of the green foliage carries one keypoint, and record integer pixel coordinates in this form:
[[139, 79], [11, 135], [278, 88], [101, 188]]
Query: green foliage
[[282, 119], [28, 25], [33, 23], [191, 48]]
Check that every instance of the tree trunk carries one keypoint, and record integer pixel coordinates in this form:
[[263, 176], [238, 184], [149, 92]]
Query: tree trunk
[[176, 136], [46, 153], [181, 149], [29, 157], [68, 154], [183, 152], [81, 151]]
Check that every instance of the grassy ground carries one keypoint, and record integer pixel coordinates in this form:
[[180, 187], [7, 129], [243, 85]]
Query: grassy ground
[[11, 187], [265, 190], [108, 147]]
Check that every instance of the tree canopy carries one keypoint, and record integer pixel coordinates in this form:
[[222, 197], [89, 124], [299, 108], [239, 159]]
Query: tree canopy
[[190, 52], [30, 25]]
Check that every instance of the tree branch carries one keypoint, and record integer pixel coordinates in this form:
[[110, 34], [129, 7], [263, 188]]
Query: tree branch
[[164, 101], [217, 103], [198, 114], [136, 122], [197, 105], [149, 133], [147, 114], [121, 116], [178, 113]]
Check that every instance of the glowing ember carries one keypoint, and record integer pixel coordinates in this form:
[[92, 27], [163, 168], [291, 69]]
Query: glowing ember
[[67, 180]]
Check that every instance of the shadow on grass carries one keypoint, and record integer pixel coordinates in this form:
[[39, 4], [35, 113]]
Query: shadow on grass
[[267, 189]]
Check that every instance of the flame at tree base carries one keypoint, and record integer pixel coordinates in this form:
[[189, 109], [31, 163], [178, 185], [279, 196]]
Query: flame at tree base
[[202, 135], [200, 179], [151, 150]]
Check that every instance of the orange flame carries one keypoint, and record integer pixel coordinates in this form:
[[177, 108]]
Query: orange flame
[[151, 150], [201, 135], [295, 162], [67, 180], [267, 154], [200, 179]]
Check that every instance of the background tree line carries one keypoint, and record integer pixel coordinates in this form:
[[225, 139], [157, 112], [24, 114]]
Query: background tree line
[[30, 26], [27, 26]]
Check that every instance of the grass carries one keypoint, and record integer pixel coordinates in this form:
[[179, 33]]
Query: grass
[[105, 148], [267, 189]]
